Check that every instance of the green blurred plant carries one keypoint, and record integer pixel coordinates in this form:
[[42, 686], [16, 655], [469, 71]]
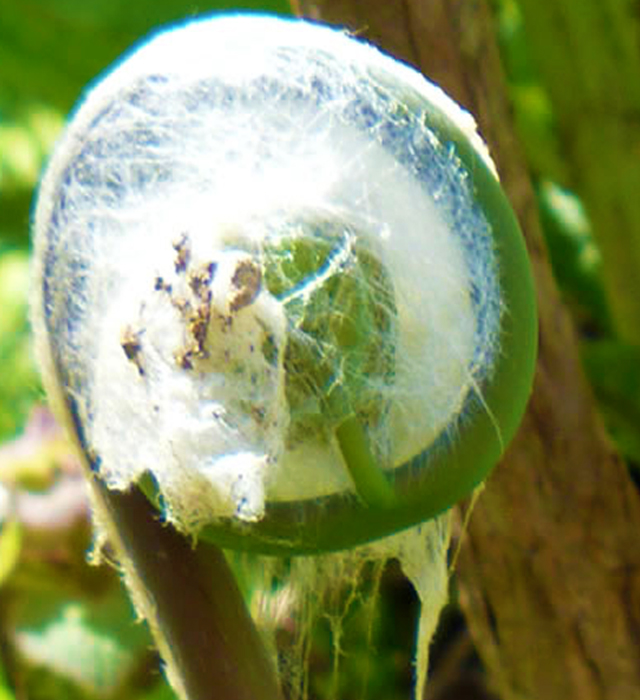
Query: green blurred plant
[[588, 57], [20, 382], [573, 69], [68, 630]]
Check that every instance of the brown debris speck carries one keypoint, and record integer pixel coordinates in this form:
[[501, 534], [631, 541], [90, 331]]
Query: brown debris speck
[[183, 253], [247, 280], [130, 340], [200, 280]]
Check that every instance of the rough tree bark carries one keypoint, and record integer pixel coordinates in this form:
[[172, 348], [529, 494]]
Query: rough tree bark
[[550, 570]]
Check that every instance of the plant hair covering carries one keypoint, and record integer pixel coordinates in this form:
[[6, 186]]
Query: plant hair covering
[[278, 287]]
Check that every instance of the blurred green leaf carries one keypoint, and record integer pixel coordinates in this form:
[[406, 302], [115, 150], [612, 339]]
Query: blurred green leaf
[[10, 546], [532, 108], [20, 382], [87, 648], [614, 371], [575, 257], [587, 54], [14, 285], [51, 49], [161, 691], [5, 691], [26, 137]]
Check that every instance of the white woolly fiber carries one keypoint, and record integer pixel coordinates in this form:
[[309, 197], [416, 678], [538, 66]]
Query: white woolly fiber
[[194, 159]]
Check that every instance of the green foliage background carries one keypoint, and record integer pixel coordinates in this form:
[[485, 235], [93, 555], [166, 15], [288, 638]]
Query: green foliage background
[[67, 631]]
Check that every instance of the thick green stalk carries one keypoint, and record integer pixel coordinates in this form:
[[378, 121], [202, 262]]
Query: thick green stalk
[[588, 52], [191, 600]]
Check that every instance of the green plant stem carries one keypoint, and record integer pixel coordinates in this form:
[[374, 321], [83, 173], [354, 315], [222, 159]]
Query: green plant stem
[[370, 482], [191, 601]]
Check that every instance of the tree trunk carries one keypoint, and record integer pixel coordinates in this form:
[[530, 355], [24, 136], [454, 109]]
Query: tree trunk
[[550, 569]]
